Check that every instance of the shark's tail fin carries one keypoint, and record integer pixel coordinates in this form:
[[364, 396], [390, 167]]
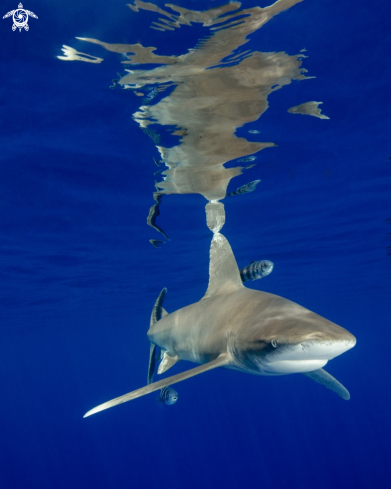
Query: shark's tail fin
[[157, 313]]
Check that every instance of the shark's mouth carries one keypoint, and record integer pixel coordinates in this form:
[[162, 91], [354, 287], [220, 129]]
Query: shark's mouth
[[282, 367], [303, 357]]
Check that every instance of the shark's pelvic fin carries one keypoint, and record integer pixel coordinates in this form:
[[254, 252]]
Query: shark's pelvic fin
[[220, 361], [167, 362], [164, 312], [324, 378], [157, 313], [224, 274]]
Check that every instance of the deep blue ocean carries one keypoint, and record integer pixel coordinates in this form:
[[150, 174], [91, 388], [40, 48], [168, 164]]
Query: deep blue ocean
[[79, 278]]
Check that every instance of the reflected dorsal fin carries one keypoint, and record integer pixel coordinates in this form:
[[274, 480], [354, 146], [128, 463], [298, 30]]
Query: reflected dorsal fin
[[224, 274]]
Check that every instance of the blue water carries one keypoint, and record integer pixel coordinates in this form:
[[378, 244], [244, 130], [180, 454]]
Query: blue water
[[78, 277]]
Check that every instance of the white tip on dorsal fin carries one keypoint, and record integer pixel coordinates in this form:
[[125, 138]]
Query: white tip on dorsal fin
[[224, 274]]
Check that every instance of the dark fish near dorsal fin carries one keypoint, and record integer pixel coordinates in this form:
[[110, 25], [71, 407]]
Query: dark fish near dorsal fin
[[224, 274], [256, 270], [157, 313]]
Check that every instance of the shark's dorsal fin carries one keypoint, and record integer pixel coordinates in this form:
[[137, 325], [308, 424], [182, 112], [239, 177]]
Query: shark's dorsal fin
[[324, 378], [220, 361], [224, 274]]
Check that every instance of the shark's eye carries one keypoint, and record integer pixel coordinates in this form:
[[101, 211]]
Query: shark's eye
[[274, 343]]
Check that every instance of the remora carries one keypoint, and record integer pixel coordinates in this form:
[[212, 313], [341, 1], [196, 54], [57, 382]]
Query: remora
[[242, 329]]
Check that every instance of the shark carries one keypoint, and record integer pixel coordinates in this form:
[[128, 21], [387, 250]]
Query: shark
[[238, 328]]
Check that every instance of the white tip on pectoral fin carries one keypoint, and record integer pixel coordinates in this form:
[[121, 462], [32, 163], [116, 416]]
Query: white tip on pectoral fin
[[324, 378], [220, 361], [224, 273]]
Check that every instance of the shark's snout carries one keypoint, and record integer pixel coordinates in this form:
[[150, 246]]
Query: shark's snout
[[327, 349], [306, 356]]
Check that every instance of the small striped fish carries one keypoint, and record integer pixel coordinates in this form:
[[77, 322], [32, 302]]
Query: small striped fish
[[256, 270], [168, 396], [245, 189]]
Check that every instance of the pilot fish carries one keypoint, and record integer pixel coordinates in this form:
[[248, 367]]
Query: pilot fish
[[256, 270], [168, 396]]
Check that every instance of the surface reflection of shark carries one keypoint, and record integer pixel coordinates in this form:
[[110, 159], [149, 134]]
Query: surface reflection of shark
[[211, 90], [242, 329]]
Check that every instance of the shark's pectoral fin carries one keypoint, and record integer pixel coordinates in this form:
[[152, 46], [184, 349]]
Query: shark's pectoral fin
[[220, 361], [324, 378], [167, 362]]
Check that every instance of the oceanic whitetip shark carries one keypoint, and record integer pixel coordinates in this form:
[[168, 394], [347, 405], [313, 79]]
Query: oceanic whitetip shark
[[243, 329]]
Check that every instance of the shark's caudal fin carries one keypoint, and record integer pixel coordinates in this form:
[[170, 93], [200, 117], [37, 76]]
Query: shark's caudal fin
[[157, 313], [224, 274], [324, 378], [220, 361]]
